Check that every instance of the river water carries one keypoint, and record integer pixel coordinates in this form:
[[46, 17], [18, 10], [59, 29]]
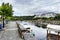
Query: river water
[[40, 33]]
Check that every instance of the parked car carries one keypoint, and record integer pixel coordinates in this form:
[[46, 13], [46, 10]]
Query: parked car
[[1, 26]]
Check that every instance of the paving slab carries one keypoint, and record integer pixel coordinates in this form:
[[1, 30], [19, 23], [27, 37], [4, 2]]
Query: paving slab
[[11, 32]]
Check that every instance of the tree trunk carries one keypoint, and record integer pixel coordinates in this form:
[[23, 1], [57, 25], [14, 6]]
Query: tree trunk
[[3, 22]]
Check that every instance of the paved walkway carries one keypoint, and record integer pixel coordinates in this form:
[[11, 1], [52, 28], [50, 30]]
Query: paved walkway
[[10, 33]]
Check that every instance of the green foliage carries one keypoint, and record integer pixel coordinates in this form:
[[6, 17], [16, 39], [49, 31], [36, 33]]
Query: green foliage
[[44, 18], [57, 17], [22, 18], [36, 18], [6, 10]]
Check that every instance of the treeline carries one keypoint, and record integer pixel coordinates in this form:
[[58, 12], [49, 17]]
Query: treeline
[[57, 17], [22, 18]]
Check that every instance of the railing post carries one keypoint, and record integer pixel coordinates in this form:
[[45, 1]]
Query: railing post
[[58, 35], [47, 35]]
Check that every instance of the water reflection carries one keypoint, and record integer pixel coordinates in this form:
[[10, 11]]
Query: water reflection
[[40, 33]]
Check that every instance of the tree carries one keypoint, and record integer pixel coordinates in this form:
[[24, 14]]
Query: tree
[[6, 11], [57, 17]]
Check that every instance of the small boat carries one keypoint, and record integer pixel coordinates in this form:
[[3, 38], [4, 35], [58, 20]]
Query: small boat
[[53, 32]]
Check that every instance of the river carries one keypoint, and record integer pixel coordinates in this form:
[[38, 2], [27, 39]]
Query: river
[[40, 33]]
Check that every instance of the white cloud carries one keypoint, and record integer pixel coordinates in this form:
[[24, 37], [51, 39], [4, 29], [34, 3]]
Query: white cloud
[[9, 1], [28, 7]]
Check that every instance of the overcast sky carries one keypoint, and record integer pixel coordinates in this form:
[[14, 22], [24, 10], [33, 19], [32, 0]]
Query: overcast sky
[[29, 7]]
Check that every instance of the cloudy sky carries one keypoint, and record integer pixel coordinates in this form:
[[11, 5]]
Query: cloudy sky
[[30, 7]]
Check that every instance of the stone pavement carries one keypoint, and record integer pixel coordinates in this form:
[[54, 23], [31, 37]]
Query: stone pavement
[[10, 32]]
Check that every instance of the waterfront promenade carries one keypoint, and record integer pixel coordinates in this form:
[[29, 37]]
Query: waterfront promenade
[[10, 32]]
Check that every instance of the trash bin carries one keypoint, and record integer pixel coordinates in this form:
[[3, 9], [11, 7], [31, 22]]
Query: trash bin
[[1, 26]]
